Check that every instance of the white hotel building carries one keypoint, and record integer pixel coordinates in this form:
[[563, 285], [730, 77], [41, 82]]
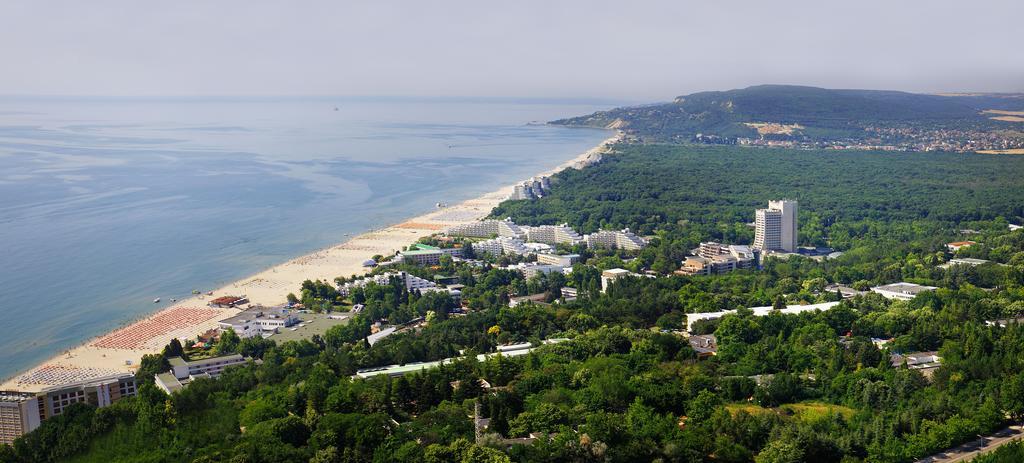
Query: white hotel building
[[552, 234], [775, 228], [488, 228], [624, 239]]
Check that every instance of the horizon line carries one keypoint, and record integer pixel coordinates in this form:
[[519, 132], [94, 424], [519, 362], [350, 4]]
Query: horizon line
[[376, 97]]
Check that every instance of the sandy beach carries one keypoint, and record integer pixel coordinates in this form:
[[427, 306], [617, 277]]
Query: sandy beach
[[120, 350]]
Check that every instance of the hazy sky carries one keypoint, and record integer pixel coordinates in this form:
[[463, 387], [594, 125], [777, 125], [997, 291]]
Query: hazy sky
[[634, 50]]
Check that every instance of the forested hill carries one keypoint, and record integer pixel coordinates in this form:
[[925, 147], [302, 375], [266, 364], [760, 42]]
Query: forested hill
[[798, 113]]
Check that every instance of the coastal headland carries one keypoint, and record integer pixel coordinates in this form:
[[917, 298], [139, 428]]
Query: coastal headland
[[120, 351]]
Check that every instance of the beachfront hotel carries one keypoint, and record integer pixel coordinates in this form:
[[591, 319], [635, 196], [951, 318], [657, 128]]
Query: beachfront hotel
[[510, 246], [488, 228], [505, 234], [23, 411], [423, 254], [623, 239], [533, 188], [19, 414], [552, 234], [259, 321], [411, 282]]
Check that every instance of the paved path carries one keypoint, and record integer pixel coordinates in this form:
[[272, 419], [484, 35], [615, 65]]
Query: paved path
[[968, 451]]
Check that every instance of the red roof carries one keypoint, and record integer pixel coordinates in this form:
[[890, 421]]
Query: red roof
[[226, 300]]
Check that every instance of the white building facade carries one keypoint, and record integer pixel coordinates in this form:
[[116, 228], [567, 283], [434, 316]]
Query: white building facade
[[775, 228]]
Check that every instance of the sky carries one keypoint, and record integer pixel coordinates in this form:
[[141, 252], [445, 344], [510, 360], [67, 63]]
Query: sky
[[631, 51]]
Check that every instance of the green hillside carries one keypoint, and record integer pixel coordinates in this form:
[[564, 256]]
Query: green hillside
[[823, 114]]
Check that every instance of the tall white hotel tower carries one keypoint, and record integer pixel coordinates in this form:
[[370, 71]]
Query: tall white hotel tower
[[775, 227]]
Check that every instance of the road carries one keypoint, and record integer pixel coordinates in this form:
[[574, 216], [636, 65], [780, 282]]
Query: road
[[966, 452]]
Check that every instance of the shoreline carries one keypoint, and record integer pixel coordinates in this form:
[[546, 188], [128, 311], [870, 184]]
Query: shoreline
[[120, 350]]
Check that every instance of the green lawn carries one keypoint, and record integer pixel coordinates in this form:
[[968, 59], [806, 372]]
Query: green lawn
[[804, 411]]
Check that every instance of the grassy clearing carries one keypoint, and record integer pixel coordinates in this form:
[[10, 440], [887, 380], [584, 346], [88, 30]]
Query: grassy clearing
[[803, 411]]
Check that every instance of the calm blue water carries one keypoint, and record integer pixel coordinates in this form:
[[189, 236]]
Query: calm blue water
[[107, 204]]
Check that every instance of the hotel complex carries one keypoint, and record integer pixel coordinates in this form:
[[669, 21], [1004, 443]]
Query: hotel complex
[[184, 371], [489, 228], [552, 234], [424, 254], [716, 258], [411, 282], [533, 188], [23, 411], [509, 238], [623, 239], [260, 321], [775, 228]]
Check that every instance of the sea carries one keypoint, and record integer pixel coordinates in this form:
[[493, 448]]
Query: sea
[[109, 203]]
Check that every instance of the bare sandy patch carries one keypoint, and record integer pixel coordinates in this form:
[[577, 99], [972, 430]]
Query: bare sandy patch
[[774, 128], [421, 226], [1009, 151], [1003, 112]]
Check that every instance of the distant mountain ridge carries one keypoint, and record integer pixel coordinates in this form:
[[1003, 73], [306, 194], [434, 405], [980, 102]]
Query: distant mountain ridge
[[801, 113]]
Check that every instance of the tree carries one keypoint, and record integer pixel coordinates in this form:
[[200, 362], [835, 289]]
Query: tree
[[703, 406], [780, 389], [173, 349], [150, 365], [778, 451], [228, 343]]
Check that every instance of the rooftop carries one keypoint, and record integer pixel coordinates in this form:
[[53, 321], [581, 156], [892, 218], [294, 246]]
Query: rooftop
[[170, 381], [421, 252], [309, 325], [904, 288], [758, 311], [180, 362]]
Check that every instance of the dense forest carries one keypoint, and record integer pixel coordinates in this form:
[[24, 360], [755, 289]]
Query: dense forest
[[627, 385]]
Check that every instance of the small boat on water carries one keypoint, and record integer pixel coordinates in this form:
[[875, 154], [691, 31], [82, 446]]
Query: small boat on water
[[157, 300]]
